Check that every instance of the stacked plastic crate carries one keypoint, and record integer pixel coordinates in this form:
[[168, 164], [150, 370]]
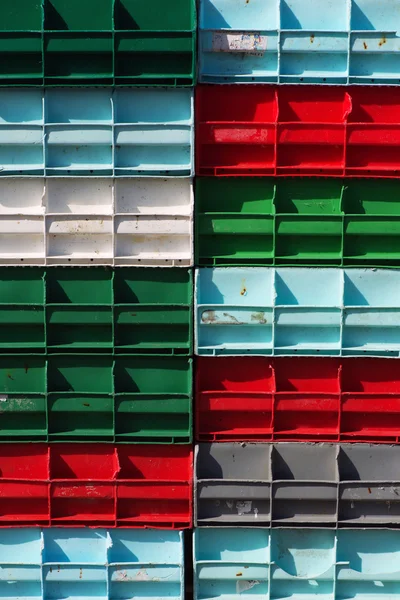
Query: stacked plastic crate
[[297, 469], [96, 147]]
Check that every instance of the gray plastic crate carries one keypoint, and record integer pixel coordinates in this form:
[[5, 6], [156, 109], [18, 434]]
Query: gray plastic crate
[[291, 483], [233, 483], [369, 490]]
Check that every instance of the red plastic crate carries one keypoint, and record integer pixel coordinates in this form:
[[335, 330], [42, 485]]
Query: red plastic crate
[[297, 130], [95, 484], [297, 399]]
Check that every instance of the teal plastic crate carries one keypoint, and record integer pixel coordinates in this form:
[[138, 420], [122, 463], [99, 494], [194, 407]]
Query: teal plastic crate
[[97, 42], [254, 221], [131, 310], [99, 398]]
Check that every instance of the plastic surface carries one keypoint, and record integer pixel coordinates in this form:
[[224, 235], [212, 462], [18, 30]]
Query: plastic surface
[[95, 485], [295, 130], [97, 42], [287, 311], [237, 483], [256, 221], [121, 132], [132, 310], [296, 41], [121, 222], [304, 399], [77, 563], [96, 397], [294, 563]]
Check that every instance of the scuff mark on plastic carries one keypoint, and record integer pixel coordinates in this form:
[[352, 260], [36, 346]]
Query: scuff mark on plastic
[[243, 586], [259, 317], [243, 507], [233, 319], [142, 575], [209, 316]]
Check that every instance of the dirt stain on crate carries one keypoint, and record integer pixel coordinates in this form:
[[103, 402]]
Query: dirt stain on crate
[[209, 317], [232, 319], [259, 317]]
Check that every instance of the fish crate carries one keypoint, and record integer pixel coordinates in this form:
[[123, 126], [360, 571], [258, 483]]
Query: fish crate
[[97, 42], [297, 399], [297, 130], [299, 41], [101, 563], [87, 132], [297, 484], [96, 397], [249, 563], [297, 311], [132, 310], [323, 222], [97, 485], [96, 221]]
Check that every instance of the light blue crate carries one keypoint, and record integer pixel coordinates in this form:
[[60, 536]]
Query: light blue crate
[[259, 564], [91, 563], [298, 311], [125, 132], [299, 41]]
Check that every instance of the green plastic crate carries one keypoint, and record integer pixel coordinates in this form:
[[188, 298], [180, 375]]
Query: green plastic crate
[[297, 222], [98, 42], [130, 310], [91, 397]]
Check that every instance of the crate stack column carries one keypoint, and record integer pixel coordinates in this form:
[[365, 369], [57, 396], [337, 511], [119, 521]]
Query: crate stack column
[[297, 291], [96, 297]]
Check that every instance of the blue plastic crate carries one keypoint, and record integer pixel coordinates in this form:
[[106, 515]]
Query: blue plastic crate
[[300, 41], [89, 563], [125, 132], [295, 563], [298, 311]]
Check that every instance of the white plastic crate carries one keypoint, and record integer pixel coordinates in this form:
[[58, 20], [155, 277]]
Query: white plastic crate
[[90, 221]]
